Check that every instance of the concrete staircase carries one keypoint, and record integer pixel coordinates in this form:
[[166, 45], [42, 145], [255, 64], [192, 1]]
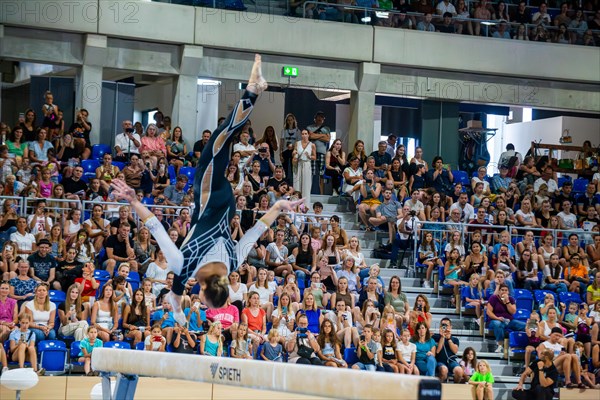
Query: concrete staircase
[[464, 328]]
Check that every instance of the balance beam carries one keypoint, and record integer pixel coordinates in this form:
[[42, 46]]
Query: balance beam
[[301, 379]]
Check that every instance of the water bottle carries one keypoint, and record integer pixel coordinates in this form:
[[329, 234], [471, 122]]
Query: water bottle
[[73, 315]]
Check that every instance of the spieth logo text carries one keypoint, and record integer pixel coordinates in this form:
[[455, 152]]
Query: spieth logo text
[[225, 373]]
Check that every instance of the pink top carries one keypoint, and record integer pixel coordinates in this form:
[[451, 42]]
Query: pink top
[[45, 189], [225, 315], [7, 310], [153, 143]]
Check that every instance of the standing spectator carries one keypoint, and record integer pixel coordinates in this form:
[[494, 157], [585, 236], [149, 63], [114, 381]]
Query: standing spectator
[[290, 134], [270, 138], [500, 311], [320, 136], [28, 126], [304, 153], [127, 143], [335, 162]]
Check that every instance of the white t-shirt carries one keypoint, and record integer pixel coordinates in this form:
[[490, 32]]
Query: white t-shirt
[[529, 217], [239, 295], [155, 345], [264, 294], [406, 351], [569, 221], [556, 348], [104, 223], [40, 226], [332, 316], [466, 214], [282, 328], [40, 317], [156, 272], [24, 242], [241, 147]]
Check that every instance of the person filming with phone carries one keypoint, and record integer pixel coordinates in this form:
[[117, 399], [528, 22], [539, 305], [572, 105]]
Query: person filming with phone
[[440, 176], [127, 142], [446, 349]]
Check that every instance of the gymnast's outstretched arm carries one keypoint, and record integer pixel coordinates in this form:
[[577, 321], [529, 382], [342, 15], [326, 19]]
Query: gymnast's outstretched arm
[[247, 241], [172, 254]]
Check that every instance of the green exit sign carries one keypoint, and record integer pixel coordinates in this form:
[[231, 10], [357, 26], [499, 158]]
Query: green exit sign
[[290, 71]]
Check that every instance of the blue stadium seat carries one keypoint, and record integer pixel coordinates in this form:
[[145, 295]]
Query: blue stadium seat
[[562, 180], [57, 296], [89, 168], [462, 177], [134, 280], [140, 346], [580, 185], [119, 165], [540, 294], [74, 353], [569, 297], [172, 175], [522, 294], [53, 356], [149, 201], [98, 151], [522, 315], [350, 356], [190, 172], [117, 345], [524, 303], [517, 342]]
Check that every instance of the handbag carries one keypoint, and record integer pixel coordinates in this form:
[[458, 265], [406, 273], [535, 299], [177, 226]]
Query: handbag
[[304, 351]]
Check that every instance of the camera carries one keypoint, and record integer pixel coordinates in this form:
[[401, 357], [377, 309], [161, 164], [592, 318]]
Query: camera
[[444, 327], [419, 308], [362, 338], [412, 213], [148, 165], [129, 130], [302, 333], [262, 150], [369, 181]]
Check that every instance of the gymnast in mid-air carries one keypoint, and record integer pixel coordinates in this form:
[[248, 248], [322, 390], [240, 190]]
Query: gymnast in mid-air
[[208, 253]]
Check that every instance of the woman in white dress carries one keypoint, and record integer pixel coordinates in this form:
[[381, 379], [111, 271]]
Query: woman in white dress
[[304, 152]]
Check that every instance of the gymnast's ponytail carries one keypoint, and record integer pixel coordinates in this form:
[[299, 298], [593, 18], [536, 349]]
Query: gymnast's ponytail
[[216, 291]]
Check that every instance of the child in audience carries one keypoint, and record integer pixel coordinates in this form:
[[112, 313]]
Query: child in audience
[[388, 320], [474, 296], [482, 381], [165, 320], [122, 296], [241, 346], [22, 344], [155, 341], [587, 377], [272, 350], [149, 297], [87, 346], [211, 344], [531, 329], [451, 272], [569, 319], [468, 363], [408, 354], [389, 350]]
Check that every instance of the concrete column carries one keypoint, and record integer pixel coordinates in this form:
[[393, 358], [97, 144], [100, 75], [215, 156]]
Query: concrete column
[[88, 86], [185, 93], [362, 106]]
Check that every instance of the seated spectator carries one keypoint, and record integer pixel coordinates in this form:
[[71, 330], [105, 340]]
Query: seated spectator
[[17, 145], [263, 157], [369, 194], [525, 216], [211, 344], [8, 311], [174, 193], [415, 204], [155, 341], [119, 249], [43, 265], [500, 310], [577, 274], [446, 350], [447, 26], [153, 144], [302, 345], [229, 318], [426, 24], [22, 344], [553, 274], [366, 350], [467, 210], [43, 313], [587, 199], [73, 314], [106, 172], [426, 349], [353, 177], [565, 363], [38, 149]]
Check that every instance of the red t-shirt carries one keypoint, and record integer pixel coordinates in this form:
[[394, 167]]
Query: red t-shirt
[[254, 323], [88, 290]]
